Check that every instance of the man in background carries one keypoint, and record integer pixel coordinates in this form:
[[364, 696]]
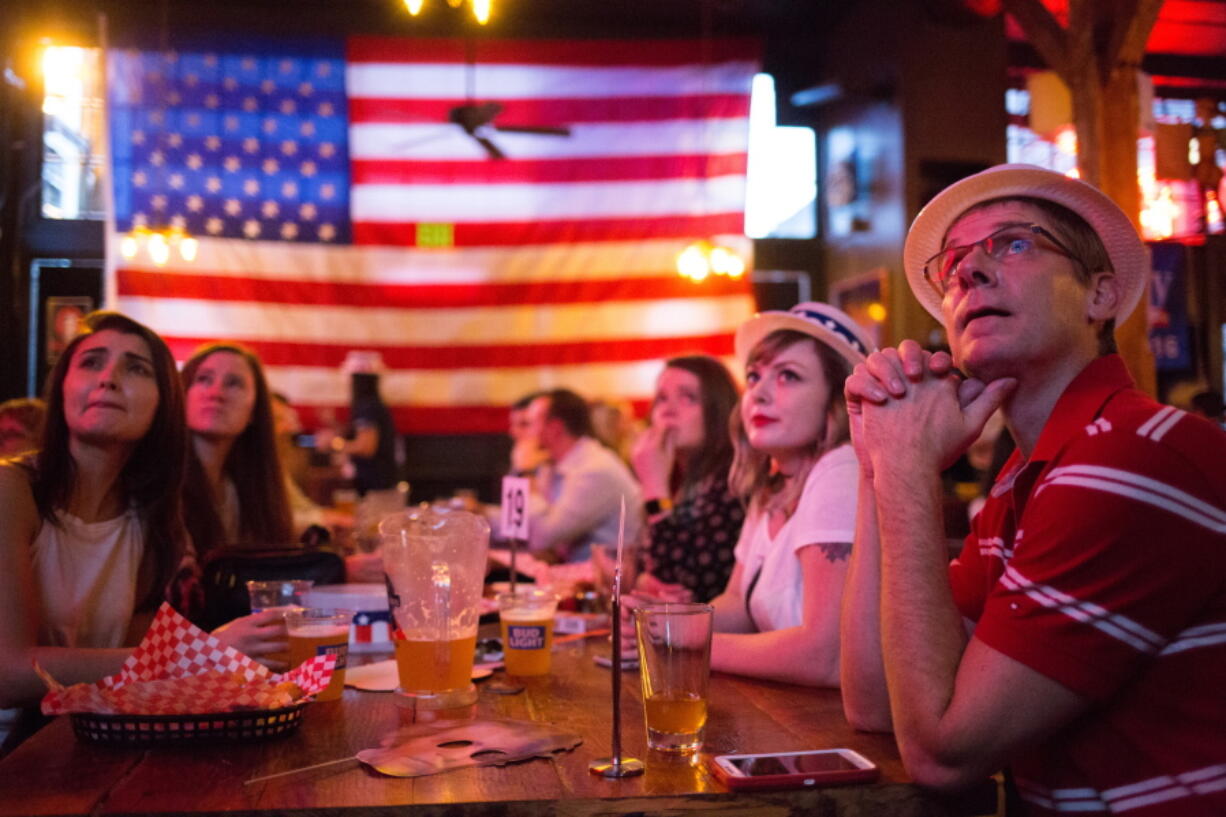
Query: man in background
[[577, 494]]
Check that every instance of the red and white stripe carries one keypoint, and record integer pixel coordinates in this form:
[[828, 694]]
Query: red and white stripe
[[1156, 427], [995, 548], [1120, 627], [1204, 635], [1141, 489], [1130, 796]]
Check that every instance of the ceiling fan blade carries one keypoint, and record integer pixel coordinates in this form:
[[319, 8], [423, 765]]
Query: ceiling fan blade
[[493, 150], [472, 116], [540, 130]]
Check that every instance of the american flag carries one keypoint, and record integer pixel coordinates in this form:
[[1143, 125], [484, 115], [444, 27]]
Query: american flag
[[338, 209]]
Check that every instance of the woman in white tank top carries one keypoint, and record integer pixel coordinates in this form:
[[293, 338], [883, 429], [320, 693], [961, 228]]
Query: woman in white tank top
[[93, 524]]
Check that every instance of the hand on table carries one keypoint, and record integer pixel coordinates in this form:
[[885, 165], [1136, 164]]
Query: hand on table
[[258, 636]]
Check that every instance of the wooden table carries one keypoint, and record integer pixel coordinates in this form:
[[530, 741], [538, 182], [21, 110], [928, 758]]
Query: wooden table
[[55, 774]]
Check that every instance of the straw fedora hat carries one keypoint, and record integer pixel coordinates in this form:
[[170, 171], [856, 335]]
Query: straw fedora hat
[[1124, 247], [830, 326]]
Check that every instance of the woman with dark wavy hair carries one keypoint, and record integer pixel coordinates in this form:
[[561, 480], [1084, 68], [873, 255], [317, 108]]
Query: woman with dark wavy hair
[[93, 527], [681, 460]]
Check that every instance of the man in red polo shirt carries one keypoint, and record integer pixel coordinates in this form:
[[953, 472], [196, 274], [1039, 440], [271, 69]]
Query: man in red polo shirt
[[1080, 637]]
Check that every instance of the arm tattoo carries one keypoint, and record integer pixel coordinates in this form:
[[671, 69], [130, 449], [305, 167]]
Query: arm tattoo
[[836, 551]]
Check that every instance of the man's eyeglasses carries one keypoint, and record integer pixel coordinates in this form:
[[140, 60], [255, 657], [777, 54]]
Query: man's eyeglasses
[[1002, 246]]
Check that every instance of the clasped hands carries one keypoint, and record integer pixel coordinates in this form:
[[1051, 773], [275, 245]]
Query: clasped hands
[[912, 413]]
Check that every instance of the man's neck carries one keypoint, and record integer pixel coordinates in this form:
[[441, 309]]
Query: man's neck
[[1038, 390], [562, 447]]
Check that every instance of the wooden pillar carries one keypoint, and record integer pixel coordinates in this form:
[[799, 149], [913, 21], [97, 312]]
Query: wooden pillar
[[1098, 57]]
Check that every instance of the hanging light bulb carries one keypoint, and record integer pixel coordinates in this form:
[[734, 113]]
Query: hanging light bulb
[[724, 261], [693, 261], [129, 246], [702, 259], [481, 8], [188, 248], [159, 249]]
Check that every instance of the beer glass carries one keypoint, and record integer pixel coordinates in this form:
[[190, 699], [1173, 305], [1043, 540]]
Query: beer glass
[[526, 620], [674, 641], [434, 558], [320, 631]]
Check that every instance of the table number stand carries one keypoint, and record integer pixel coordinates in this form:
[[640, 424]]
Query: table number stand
[[616, 765]]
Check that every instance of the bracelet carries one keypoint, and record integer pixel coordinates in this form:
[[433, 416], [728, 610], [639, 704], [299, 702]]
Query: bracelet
[[655, 506]]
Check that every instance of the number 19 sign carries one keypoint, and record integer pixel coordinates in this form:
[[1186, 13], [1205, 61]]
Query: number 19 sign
[[515, 508]]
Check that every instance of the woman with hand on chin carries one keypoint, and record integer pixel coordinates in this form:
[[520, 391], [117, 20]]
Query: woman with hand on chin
[[235, 485], [794, 466], [681, 460], [92, 526]]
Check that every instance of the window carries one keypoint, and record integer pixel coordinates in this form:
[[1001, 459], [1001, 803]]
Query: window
[[74, 159], [781, 181]]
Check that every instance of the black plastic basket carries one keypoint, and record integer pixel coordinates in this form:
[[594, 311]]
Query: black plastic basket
[[173, 730]]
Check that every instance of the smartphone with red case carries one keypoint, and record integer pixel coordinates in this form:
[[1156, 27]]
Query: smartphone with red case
[[774, 770]]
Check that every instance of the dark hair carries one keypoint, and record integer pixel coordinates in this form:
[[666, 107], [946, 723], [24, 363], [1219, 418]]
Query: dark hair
[[252, 464], [751, 475], [525, 401], [572, 410], [719, 394], [364, 388], [152, 478], [1085, 244]]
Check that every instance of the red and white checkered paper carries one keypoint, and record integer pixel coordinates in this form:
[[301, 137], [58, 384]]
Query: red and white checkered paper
[[180, 669]]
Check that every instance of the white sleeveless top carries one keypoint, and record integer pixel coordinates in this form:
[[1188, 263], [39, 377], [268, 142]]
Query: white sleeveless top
[[86, 577]]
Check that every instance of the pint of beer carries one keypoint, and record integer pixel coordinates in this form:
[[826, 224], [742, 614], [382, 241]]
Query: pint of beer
[[431, 666], [674, 641], [318, 631], [526, 620]]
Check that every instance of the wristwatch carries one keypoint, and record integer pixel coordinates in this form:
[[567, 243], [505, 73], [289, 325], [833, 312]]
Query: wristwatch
[[655, 506]]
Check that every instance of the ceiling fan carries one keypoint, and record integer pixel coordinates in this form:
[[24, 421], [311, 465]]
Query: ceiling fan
[[477, 119]]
